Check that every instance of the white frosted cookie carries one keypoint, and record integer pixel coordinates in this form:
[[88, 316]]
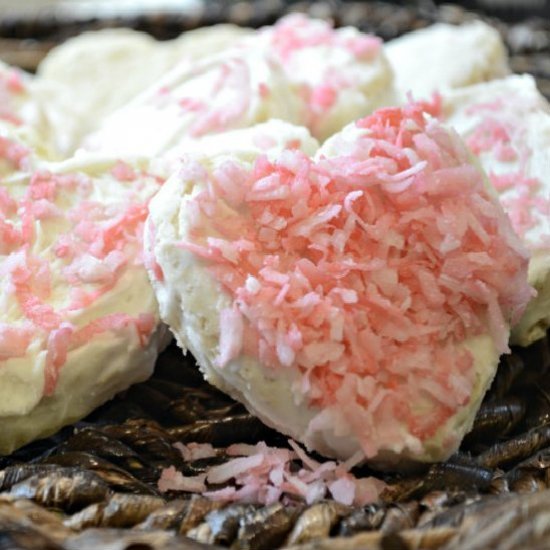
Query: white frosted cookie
[[444, 56], [78, 317], [341, 74], [235, 89], [506, 124], [357, 301], [300, 70], [88, 77]]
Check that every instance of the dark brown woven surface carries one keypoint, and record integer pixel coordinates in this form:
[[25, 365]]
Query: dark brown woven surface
[[93, 485], [102, 473], [25, 40]]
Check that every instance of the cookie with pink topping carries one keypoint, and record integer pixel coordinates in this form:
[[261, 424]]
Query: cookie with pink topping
[[506, 124], [341, 74], [357, 301], [78, 318]]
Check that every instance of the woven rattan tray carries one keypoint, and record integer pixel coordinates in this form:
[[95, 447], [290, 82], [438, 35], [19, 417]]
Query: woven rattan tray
[[93, 485]]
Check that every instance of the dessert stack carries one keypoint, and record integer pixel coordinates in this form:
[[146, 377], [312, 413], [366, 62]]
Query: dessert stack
[[347, 235]]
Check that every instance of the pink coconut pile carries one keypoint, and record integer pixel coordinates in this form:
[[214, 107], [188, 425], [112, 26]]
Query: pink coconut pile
[[266, 475]]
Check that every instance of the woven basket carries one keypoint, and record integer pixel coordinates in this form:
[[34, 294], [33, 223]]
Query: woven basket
[[93, 485]]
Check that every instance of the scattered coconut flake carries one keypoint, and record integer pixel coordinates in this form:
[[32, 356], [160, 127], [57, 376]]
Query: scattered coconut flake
[[265, 475], [172, 480], [14, 341], [195, 451], [231, 340], [122, 171]]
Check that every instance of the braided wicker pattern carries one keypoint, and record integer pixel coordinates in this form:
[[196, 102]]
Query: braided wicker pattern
[[102, 473], [93, 485]]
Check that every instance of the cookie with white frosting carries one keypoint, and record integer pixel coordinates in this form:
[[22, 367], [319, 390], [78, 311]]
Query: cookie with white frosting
[[90, 76], [357, 301], [78, 317], [340, 74], [443, 56], [506, 124], [234, 89], [299, 70]]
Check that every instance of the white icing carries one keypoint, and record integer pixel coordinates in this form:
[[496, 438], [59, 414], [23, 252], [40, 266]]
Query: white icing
[[23, 110], [444, 56], [88, 77], [234, 89], [247, 143]]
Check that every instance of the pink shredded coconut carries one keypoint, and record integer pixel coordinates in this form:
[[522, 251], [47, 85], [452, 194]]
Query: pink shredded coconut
[[526, 205], [14, 341], [265, 475], [58, 344], [14, 81], [195, 451], [365, 273], [172, 480], [123, 171], [223, 98]]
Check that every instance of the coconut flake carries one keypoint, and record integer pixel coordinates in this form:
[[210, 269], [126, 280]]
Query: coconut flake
[[233, 468], [172, 480], [14, 341], [231, 331], [195, 451], [266, 475]]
